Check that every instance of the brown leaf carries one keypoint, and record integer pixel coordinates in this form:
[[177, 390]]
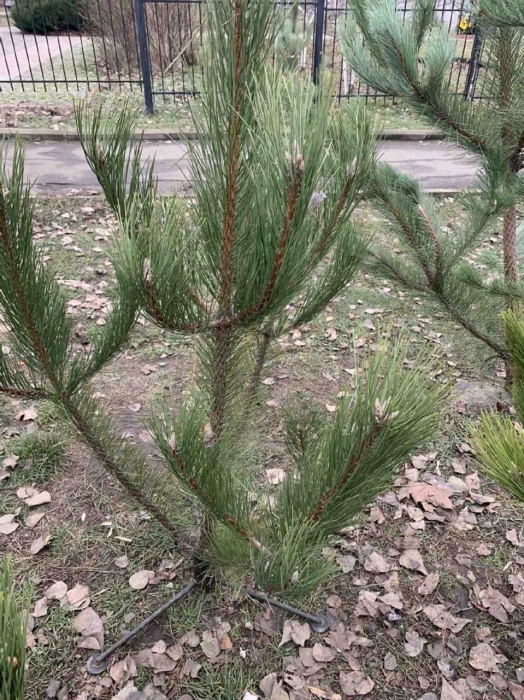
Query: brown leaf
[[191, 668], [346, 562], [511, 536], [76, 598], [449, 692], [429, 584], [367, 604], [27, 414], [323, 654], [162, 663], [190, 638], [140, 580], [175, 652], [414, 643], [122, 562], [135, 407], [56, 591], [483, 657], [144, 658], [496, 603], [7, 524], [89, 624], [355, 683], [123, 670], [39, 543], [516, 690], [33, 519], [390, 662], [35, 497], [392, 599], [421, 492], [340, 638], [40, 608], [209, 645], [267, 684], [412, 559], [376, 564], [330, 408], [10, 461], [267, 623], [443, 619], [275, 476]]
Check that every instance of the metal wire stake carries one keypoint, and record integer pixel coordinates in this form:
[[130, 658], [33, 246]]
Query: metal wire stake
[[98, 663], [319, 623]]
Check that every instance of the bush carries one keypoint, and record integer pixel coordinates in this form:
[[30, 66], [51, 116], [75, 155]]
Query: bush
[[45, 16], [173, 31]]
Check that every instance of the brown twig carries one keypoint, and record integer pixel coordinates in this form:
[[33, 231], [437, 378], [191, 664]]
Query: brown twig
[[228, 232]]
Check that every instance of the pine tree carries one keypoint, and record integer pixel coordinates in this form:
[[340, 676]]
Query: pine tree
[[499, 439], [266, 244], [412, 60], [292, 39], [12, 638]]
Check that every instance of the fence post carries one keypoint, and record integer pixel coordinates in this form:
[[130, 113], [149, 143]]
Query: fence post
[[474, 64], [143, 49], [320, 11]]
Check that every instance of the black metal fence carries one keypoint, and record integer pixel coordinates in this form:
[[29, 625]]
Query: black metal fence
[[154, 46]]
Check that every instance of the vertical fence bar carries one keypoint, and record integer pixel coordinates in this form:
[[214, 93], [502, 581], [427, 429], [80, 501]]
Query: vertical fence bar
[[320, 13], [474, 64], [145, 65]]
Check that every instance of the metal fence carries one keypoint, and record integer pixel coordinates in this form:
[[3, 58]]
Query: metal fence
[[153, 46]]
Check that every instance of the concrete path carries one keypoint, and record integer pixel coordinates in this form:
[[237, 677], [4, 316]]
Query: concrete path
[[59, 167], [27, 54]]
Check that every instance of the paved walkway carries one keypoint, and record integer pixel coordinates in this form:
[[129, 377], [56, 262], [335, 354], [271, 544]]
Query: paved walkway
[[27, 54], [59, 167]]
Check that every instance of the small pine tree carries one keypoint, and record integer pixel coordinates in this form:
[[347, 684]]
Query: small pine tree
[[499, 440], [265, 245], [412, 60], [292, 39], [12, 638]]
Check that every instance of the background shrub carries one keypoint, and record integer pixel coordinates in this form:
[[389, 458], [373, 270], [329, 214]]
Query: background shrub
[[47, 16]]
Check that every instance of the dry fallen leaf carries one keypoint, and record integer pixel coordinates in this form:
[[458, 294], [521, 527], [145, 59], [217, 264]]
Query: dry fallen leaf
[[414, 643], [121, 671], [7, 524], [429, 584], [436, 495], [121, 562], [511, 536], [135, 407], [33, 519], [443, 619], [346, 562], [27, 414], [33, 497], [275, 476], [210, 645], [367, 604], [323, 654], [483, 657], [449, 692], [296, 631], [376, 564], [140, 580], [355, 683], [76, 598], [40, 608], [56, 591], [516, 690], [191, 668], [39, 543], [390, 662], [412, 559], [496, 603], [89, 624]]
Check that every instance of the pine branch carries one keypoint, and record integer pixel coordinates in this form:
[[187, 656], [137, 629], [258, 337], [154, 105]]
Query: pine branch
[[366, 444]]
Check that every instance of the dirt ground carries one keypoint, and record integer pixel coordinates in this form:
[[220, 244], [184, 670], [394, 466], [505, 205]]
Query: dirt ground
[[428, 601]]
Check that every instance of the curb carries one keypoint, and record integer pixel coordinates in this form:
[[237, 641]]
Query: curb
[[162, 135]]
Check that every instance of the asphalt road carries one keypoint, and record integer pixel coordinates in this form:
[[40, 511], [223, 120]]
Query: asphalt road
[[60, 167]]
